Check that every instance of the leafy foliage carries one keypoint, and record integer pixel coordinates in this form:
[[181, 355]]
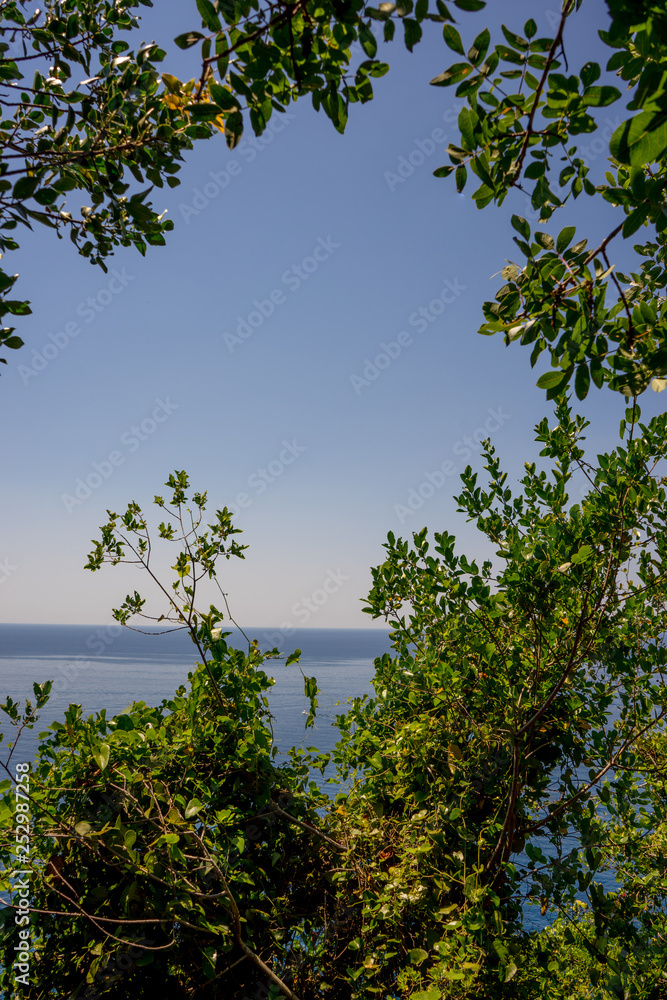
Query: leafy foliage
[[519, 124]]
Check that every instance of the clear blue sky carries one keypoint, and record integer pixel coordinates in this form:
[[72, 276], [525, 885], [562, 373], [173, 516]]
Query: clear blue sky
[[317, 230]]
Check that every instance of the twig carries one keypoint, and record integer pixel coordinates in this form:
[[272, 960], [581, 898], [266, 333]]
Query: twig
[[274, 807], [558, 40]]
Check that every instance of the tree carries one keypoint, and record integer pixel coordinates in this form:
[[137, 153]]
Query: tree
[[514, 749]]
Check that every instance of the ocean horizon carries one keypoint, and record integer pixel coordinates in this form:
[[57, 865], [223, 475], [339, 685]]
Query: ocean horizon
[[110, 666]]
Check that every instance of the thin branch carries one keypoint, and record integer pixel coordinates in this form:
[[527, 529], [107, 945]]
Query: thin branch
[[538, 93], [236, 917], [600, 774], [274, 807]]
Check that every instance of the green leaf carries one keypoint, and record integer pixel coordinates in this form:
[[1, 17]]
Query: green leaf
[[564, 238], [599, 97], [590, 72], [453, 39], [479, 47], [9, 71], [233, 128], [367, 39], [597, 372], [224, 98], [545, 241], [635, 220], [455, 73], [554, 391], [188, 39], [549, 380], [417, 956], [101, 755], [24, 187], [466, 128], [483, 196], [640, 140], [203, 112], [510, 971], [461, 177], [521, 226], [413, 32], [582, 381], [193, 807], [530, 28], [471, 5], [209, 958], [581, 556], [209, 15], [555, 382], [501, 951]]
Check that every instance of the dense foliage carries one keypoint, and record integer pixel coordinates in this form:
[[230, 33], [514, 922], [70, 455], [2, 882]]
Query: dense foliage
[[514, 750], [521, 129]]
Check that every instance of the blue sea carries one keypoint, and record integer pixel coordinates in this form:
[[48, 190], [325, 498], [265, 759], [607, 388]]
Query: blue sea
[[110, 667]]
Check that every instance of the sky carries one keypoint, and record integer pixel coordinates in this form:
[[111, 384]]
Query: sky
[[275, 350]]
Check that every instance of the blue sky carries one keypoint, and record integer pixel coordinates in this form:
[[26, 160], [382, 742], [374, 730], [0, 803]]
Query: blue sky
[[244, 352]]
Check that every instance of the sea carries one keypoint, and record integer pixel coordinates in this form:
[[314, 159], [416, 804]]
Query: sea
[[109, 667]]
